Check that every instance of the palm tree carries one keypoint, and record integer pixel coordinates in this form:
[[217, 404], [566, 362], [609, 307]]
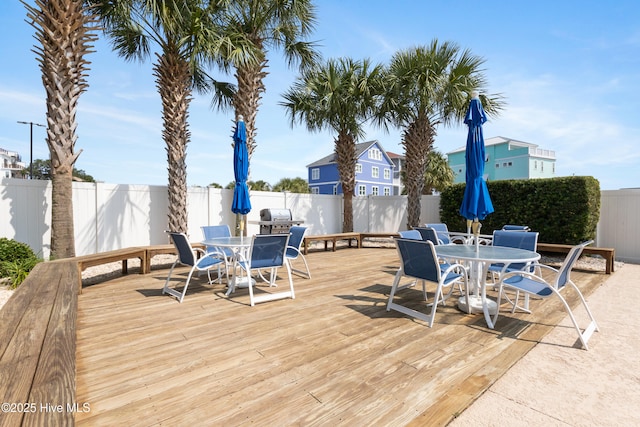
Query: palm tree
[[187, 37], [295, 185], [340, 95], [438, 174], [259, 185], [65, 30], [428, 86], [266, 24]]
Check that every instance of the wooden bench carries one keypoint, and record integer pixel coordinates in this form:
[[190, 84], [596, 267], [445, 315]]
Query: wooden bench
[[86, 261], [38, 348], [389, 235], [609, 254], [326, 238]]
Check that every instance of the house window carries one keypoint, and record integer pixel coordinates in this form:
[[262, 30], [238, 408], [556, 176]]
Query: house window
[[315, 190], [358, 168], [497, 165], [374, 191], [335, 190], [315, 173], [553, 168], [375, 172], [387, 191], [541, 166], [387, 173], [374, 154], [535, 165], [362, 190]]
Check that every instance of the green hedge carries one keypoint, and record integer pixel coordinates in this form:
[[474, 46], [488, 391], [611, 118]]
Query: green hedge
[[563, 210]]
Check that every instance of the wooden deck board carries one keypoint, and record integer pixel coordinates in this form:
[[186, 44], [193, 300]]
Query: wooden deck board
[[333, 355]]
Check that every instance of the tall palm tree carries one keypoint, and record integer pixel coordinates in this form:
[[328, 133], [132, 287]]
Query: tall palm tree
[[187, 37], [266, 24], [65, 31], [340, 95], [428, 86]]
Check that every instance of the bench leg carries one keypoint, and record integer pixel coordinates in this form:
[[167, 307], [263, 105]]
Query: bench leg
[[125, 266]]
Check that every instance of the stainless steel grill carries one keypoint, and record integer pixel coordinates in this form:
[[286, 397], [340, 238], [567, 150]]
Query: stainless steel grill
[[276, 221]]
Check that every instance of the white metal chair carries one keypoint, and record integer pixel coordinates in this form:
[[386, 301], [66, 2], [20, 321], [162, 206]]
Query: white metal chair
[[294, 252], [428, 233], [226, 254], [187, 256], [410, 234], [513, 239], [531, 284], [419, 261], [519, 239], [267, 251], [513, 227]]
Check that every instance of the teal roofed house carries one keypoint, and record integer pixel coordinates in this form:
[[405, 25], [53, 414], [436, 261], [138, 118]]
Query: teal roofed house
[[508, 159]]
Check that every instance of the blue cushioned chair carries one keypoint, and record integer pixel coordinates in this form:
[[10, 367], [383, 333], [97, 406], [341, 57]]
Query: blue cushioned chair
[[187, 256], [296, 239], [428, 233], [266, 251], [531, 284], [418, 260], [410, 234]]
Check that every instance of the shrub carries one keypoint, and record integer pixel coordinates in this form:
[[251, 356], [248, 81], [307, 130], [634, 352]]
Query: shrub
[[18, 270], [563, 210], [16, 260]]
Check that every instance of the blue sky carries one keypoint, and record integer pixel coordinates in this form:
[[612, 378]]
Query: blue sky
[[567, 69]]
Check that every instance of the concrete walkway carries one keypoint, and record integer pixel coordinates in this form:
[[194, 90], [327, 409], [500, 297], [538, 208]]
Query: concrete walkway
[[559, 384]]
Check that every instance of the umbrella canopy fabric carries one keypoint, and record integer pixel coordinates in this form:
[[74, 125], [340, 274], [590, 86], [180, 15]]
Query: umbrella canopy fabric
[[241, 203], [476, 203]]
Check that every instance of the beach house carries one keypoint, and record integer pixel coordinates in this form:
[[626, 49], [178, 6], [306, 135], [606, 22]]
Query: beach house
[[507, 158], [374, 172]]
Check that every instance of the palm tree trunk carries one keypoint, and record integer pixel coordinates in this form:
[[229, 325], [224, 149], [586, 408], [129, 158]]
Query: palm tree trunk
[[417, 141], [62, 228], [65, 33], [247, 99], [174, 84], [346, 158]]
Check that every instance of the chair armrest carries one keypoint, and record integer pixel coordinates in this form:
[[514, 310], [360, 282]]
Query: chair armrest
[[452, 268], [526, 274]]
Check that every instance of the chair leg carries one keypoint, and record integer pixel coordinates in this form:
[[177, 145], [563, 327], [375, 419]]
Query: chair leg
[[591, 327], [166, 289]]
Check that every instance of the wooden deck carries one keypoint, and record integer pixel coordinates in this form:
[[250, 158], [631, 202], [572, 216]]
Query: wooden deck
[[332, 356]]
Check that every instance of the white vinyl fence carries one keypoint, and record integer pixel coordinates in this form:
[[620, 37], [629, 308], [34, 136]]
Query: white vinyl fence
[[112, 216]]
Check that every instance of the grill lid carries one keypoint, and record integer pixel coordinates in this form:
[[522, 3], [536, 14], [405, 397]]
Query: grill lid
[[270, 214]]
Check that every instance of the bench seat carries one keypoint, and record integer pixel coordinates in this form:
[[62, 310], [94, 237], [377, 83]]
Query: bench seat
[[326, 238], [609, 254], [123, 255], [38, 346]]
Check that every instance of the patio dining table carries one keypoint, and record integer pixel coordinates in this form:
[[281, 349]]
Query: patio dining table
[[480, 257], [237, 244]]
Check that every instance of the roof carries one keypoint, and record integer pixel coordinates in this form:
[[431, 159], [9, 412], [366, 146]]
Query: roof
[[496, 140], [360, 148]]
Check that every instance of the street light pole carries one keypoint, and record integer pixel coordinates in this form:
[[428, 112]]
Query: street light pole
[[31, 124]]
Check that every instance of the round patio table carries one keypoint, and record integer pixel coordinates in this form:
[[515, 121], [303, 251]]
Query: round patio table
[[238, 244], [480, 257]]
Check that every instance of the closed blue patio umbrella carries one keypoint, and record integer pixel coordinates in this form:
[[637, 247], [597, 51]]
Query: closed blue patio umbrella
[[241, 203], [476, 203]]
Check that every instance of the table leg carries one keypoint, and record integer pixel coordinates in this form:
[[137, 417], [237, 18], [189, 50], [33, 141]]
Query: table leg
[[479, 302]]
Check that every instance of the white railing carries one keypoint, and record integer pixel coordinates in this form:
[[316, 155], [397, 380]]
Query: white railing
[[112, 216]]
